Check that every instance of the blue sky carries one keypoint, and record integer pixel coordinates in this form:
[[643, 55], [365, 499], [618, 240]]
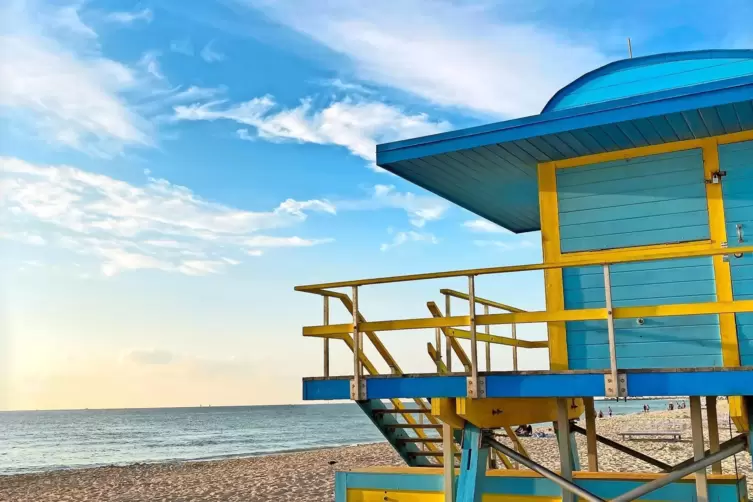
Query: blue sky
[[169, 171]]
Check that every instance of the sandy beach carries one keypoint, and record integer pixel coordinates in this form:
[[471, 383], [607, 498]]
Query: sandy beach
[[309, 475]]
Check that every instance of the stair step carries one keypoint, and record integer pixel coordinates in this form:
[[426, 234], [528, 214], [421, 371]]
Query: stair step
[[402, 411], [420, 440], [430, 454], [413, 426]]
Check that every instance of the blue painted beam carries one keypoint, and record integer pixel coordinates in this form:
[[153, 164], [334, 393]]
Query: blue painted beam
[[653, 383], [694, 97]]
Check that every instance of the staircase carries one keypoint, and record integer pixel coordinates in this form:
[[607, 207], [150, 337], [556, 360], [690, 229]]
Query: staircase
[[412, 430]]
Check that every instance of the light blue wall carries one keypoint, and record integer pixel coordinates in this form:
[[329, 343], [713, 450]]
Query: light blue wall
[[646, 200], [656, 199], [737, 188], [656, 75]]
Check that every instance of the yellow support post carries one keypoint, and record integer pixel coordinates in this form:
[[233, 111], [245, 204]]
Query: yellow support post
[[550, 244], [722, 275], [591, 444]]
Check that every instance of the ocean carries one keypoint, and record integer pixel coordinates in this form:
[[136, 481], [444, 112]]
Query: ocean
[[33, 441]]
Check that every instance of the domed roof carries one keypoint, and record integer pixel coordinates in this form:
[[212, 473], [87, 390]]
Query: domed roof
[[649, 74]]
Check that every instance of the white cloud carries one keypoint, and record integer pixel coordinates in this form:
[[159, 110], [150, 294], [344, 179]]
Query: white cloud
[[266, 241], [145, 15], [63, 88], [24, 238], [210, 55], [484, 226], [158, 226], [184, 47], [350, 87], [401, 238], [449, 53], [355, 124], [67, 18], [196, 93], [419, 208], [150, 62]]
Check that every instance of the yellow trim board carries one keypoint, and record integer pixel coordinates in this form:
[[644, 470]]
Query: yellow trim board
[[639, 252]]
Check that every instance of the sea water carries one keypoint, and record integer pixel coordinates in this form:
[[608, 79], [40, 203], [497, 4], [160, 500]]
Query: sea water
[[32, 441]]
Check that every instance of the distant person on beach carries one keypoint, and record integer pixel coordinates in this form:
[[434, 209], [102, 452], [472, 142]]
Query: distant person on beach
[[670, 406], [610, 412], [601, 414]]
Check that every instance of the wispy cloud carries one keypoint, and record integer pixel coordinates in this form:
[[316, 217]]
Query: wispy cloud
[[184, 47], [150, 62], [401, 238], [355, 124], [125, 17], [419, 208], [484, 226], [449, 53], [348, 87], [194, 93], [123, 226], [210, 55], [68, 18], [59, 85]]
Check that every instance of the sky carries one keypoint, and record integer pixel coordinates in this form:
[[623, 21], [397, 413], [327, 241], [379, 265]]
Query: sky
[[169, 171]]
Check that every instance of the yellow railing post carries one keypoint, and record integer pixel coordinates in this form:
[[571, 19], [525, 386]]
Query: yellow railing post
[[356, 391], [447, 313], [325, 299], [475, 387], [488, 344], [514, 347]]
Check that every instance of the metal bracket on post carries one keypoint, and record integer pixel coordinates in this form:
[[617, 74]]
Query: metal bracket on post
[[358, 389], [613, 385], [618, 389], [479, 391]]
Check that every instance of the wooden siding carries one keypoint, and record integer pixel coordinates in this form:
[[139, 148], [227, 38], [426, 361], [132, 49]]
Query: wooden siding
[[657, 199], [647, 200]]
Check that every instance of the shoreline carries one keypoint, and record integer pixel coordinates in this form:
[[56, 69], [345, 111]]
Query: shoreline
[[171, 461], [309, 474]]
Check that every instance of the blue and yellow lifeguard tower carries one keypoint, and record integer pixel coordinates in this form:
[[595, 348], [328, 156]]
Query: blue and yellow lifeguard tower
[[640, 177]]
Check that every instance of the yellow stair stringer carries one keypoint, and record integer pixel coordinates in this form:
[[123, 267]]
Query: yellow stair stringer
[[379, 346], [371, 369], [435, 312]]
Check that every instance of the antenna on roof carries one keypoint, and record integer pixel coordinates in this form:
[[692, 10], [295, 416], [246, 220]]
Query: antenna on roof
[[630, 48]]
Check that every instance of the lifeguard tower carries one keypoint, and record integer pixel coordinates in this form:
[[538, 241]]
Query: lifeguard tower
[[640, 177]]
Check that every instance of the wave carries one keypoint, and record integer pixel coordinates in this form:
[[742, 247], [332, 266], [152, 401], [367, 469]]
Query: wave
[[177, 460]]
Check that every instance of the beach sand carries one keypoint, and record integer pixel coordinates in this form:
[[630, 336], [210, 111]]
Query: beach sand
[[309, 475]]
